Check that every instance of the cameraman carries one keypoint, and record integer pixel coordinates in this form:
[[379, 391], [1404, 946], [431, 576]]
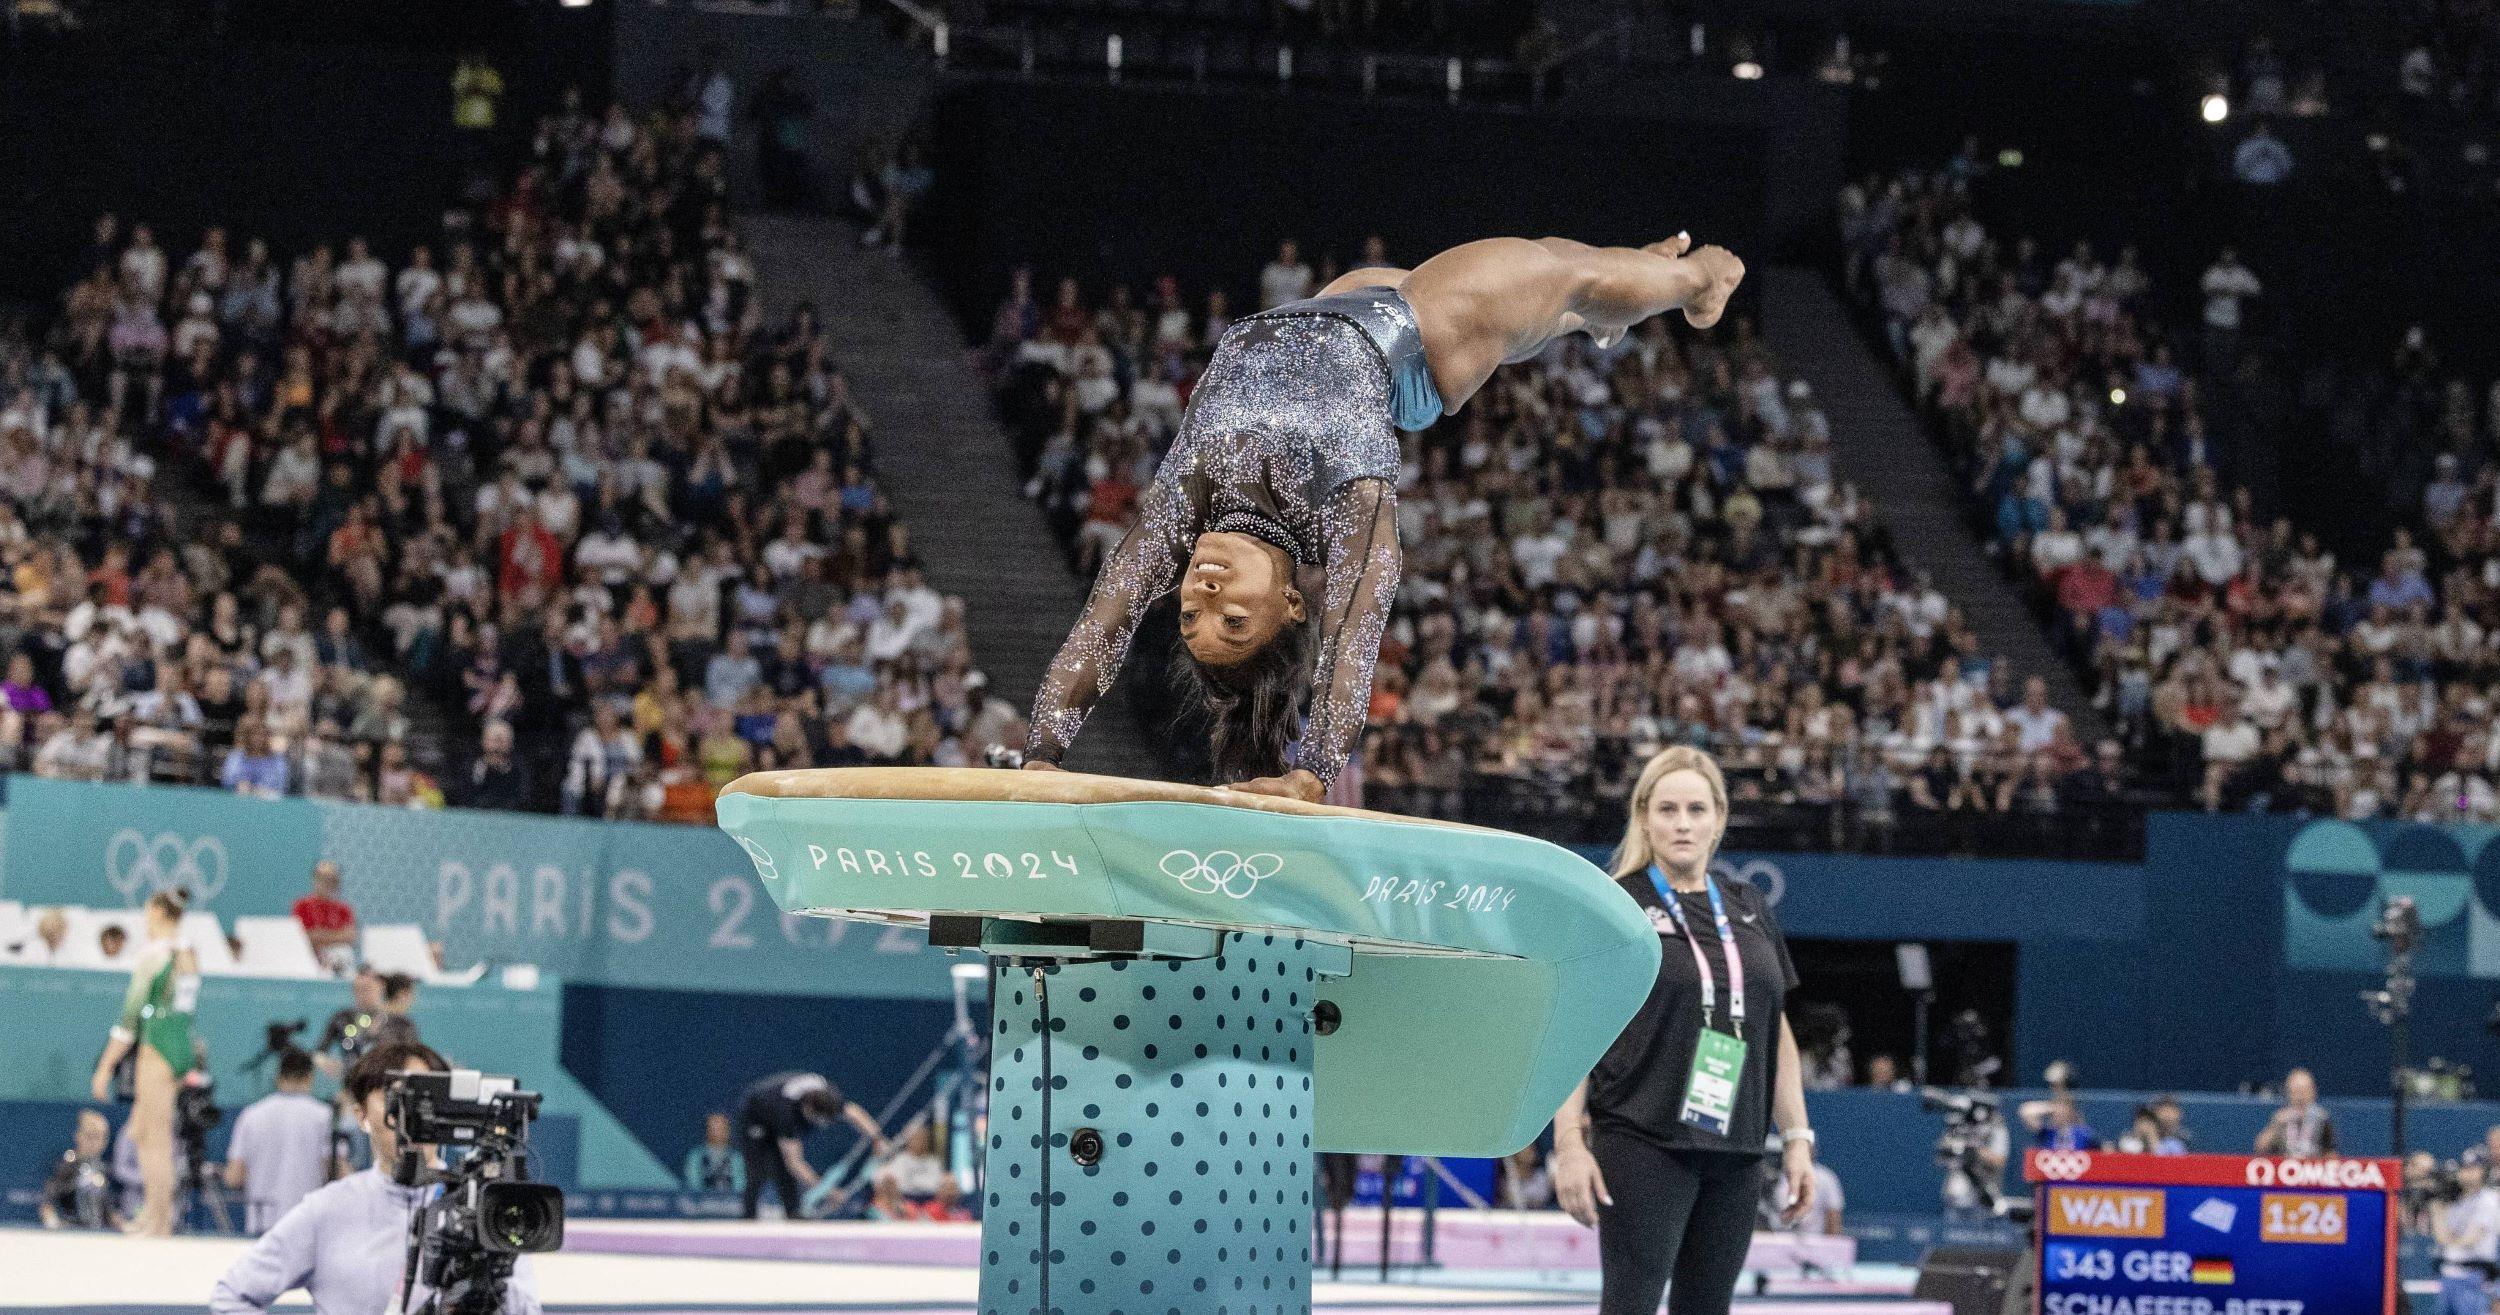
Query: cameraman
[[281, 1147], [777, 1113], [1974, 1155], [350, 1030], [347, 1244], [2468, 1232]]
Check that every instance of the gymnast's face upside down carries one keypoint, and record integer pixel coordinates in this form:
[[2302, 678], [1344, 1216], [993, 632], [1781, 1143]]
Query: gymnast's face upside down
[[1236, 595]]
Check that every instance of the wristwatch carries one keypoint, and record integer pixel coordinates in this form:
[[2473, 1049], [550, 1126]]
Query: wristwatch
[[1791, 1136]]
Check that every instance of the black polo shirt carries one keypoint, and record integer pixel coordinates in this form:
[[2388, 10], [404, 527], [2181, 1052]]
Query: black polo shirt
[[770, 1107], [1637, 1088]]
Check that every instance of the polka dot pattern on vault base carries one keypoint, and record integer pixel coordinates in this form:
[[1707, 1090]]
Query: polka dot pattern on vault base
[[1196, 1076]]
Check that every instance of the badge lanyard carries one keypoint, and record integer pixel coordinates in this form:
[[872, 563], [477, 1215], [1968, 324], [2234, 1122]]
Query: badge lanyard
[[1727, 944]]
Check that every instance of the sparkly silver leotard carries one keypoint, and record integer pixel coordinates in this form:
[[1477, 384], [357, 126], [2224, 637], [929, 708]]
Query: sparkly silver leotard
[[1289, 436]]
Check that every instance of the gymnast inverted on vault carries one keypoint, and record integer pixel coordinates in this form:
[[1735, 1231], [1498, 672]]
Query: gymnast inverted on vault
[[1284, 473]]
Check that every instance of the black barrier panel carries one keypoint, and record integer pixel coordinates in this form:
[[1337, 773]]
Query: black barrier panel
[[1126, 184], [294, 141]]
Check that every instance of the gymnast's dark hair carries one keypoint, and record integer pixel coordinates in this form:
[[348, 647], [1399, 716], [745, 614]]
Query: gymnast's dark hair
[[1251, 709]]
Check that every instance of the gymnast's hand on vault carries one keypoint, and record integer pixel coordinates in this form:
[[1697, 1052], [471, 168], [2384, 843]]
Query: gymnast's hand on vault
[[1300, 783]]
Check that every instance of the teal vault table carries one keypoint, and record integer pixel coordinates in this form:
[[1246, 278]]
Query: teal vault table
[[1194, 990]]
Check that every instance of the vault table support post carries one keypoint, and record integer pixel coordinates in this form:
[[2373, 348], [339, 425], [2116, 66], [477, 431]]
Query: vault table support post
[[1150, 1132]]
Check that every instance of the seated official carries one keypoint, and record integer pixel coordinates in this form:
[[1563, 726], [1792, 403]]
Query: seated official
[[280, 1151], [715, 1166], [1526, 1183], [913, 1183], [347, 1244], [80, 1192]]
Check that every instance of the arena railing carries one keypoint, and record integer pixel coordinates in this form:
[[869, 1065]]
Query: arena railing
[[1119, 54], [924, 23]]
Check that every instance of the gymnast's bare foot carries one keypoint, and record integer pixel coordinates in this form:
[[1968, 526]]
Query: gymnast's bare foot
[[1724, 272]]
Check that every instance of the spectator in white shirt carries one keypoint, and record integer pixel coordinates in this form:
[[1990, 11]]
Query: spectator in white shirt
[[2214, 554], [922, 605], [42, 942], [360, 275], [143, 264], [2035, 722], [1286, 278], [2270, 699], [2227, 283], [2057, 547], [890, 635], [1538, 552], [877, 727], [2229, 745], [418, 283], [607, 554], [78, 751]]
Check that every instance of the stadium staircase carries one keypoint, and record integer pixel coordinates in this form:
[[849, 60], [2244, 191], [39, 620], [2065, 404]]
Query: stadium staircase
[[944, 463], [1880, 446]]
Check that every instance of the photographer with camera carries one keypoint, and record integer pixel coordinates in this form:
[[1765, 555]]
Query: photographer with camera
[[1972, 1151], [347, 1244], [79, 1193], [2467, 1228], [280, 1150], [378, 1015], [2057, 1123], [778, 1112], [2147, 1135], [2302, 1128]]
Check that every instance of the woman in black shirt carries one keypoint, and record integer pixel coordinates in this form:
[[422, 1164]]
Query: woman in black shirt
[[1661, 1147]]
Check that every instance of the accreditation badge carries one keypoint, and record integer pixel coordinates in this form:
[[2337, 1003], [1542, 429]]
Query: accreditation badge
[[1710, 1089]]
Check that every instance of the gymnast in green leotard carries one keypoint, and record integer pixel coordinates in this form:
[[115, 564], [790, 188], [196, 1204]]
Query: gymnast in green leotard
[[155, 1018]]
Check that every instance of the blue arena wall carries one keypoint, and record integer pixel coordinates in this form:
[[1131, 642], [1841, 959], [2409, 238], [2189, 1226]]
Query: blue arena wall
[[612, 903], [2238, 951]]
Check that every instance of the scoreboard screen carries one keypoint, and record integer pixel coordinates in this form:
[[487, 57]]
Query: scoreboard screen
[[2213, 1234]]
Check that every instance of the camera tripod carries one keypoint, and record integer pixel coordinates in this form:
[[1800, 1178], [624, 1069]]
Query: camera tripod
[[197, 1188]]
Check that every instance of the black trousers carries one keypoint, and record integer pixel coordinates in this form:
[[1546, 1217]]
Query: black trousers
[[1685, 1216], [763, 1156]]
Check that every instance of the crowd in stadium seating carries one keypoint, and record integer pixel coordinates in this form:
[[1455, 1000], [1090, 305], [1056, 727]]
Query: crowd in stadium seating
[[554, 489], [2454, 58], [1607, 552], [2241, 658]]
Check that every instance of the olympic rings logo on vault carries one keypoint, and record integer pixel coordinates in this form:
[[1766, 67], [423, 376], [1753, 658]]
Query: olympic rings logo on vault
[[1221, 871]]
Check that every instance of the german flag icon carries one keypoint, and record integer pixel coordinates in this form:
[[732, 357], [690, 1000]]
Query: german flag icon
[[2211, 1269]]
